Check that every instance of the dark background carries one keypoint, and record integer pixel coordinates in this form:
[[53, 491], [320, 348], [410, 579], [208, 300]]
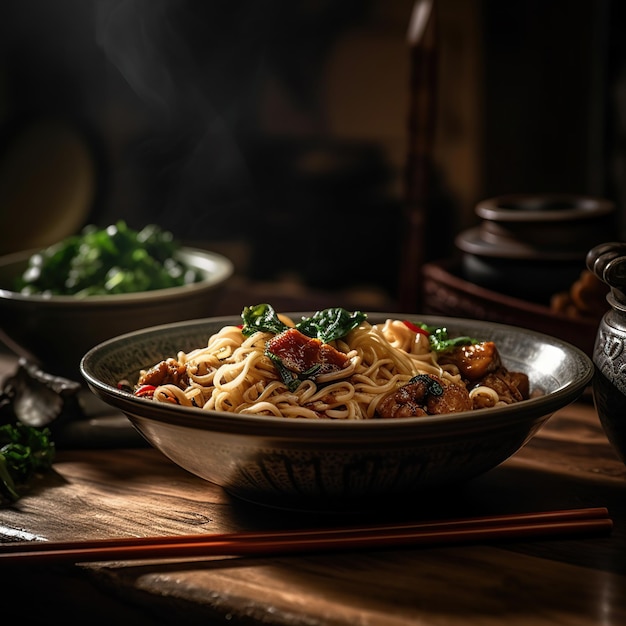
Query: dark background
[[275, 131]]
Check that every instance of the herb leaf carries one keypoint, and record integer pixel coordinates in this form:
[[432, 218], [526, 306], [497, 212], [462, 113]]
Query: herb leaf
[[261, 317], [325, 325], [330, 324], [440, 341]]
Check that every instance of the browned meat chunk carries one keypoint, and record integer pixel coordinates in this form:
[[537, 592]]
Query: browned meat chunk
[[474, 361], [510, 386], [454, 399], [425, 395], [521, 382], [300, 353], [408, 401], [166, 372]]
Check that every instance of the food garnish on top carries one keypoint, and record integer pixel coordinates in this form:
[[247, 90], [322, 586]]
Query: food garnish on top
[[334, 364]]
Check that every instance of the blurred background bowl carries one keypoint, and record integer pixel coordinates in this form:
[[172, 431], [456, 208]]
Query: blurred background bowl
[[334, 464], [567, 223], [532, 246], [54, 332]]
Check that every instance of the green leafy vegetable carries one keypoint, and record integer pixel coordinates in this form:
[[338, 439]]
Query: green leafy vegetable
[[440, 341], [330, 324], [326, 325], [112, 260], [24, 451], [261, 317]]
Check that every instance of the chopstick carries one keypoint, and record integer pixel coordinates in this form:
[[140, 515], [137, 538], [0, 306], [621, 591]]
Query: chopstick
[[265, 543]]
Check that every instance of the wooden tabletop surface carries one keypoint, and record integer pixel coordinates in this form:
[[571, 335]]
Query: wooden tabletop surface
[[98, 493]]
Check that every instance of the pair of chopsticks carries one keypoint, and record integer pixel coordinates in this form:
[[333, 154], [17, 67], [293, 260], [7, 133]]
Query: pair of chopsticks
[[561, 523]]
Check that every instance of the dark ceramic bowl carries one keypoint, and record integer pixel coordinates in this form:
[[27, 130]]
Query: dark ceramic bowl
[[531, 276], [554, 223], [54, 332], [532, 246], [331, 464]]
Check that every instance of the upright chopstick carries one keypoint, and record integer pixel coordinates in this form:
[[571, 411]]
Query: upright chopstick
[[264, 543]]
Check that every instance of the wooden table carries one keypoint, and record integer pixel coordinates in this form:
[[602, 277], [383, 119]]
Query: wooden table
[[97, 493]]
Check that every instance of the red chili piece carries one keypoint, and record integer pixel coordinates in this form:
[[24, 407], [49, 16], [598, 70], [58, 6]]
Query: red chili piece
[[145, 391], [416, 329]]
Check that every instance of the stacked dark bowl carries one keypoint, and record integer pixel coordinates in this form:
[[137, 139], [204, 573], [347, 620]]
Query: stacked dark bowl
[[532, 246]]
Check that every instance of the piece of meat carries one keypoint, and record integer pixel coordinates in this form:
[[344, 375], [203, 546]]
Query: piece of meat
[[510, 386], [408, 401], [300, 354], [166, 372], [454, 399], [474, 361], [425, 394]]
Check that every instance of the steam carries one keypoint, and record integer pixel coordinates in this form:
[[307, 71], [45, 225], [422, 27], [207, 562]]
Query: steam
[[129, 38], [194, 88]]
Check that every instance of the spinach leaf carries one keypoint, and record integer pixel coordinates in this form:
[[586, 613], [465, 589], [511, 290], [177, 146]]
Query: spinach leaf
[[330, 324], [261, 317], [325, 325]]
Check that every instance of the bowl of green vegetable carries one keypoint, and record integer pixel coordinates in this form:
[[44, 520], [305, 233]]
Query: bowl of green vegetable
[[56, 303]]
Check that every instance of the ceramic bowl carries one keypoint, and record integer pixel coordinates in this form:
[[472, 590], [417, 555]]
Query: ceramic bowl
[[531, 276], [331, 464], [532, 246], [54, 332], [555, 224]]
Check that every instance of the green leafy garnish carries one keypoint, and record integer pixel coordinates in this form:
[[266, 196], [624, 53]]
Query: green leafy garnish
[[24, 451], [326, 325], [440, 341], [330, 324], [261, 317]]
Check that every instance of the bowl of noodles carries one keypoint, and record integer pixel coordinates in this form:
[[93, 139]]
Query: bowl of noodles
[[335, 409]]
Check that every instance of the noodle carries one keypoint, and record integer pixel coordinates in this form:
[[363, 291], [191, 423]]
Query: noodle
[[233, 373]]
